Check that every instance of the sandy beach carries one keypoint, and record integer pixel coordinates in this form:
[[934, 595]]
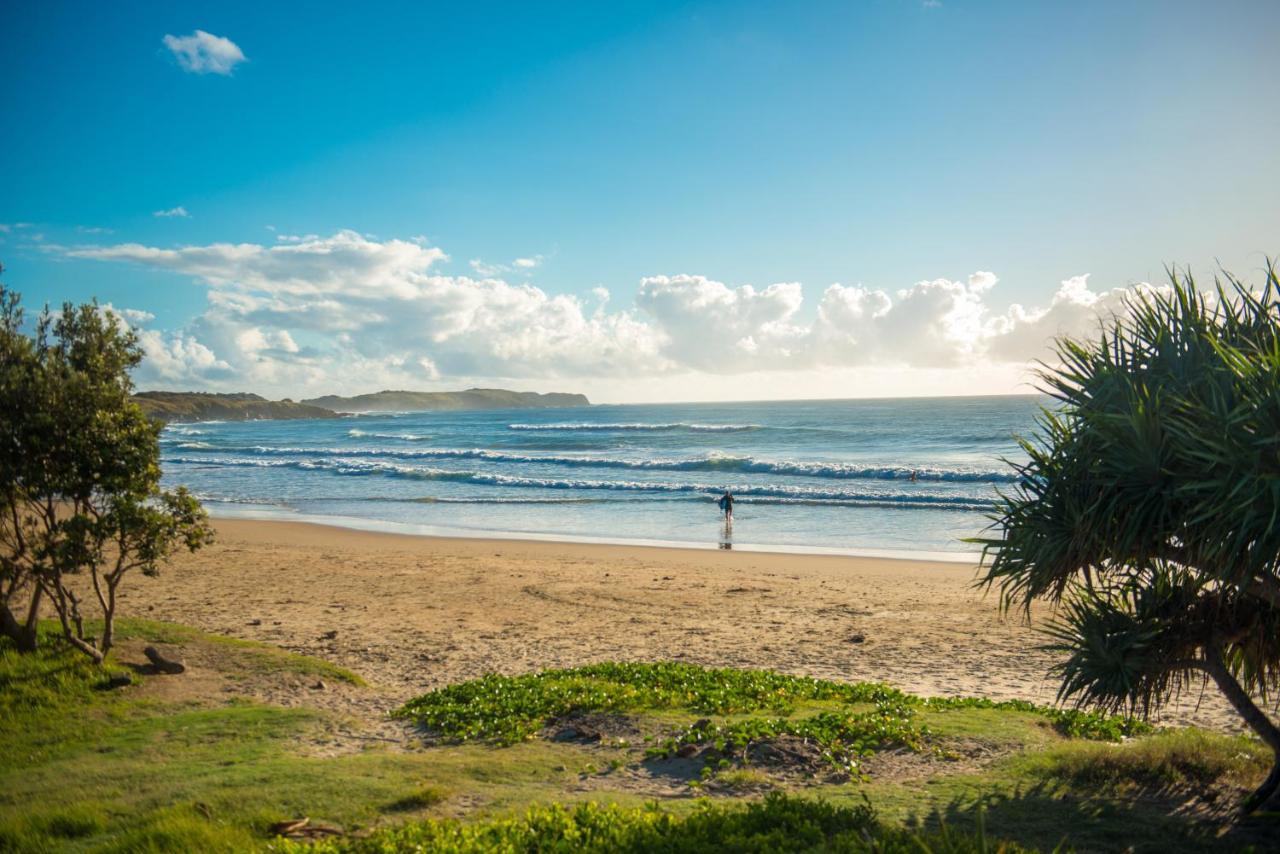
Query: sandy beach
[[413, 613]]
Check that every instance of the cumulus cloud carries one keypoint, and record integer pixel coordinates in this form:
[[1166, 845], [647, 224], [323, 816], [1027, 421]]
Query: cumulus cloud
[[204, 53], [349, 311], [179, 211]]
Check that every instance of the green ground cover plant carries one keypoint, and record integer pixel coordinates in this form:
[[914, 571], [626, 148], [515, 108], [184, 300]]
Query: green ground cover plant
[[507, 709], [778, 823]]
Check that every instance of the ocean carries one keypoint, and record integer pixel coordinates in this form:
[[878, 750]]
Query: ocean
[[832, 475]]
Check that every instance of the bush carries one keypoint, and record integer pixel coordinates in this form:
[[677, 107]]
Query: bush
[[779, 823]]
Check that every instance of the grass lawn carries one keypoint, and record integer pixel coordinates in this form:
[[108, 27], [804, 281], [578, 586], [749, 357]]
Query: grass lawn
[[641, 756]]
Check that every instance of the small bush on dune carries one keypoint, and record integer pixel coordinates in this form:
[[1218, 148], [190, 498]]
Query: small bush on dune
[[419, 799]]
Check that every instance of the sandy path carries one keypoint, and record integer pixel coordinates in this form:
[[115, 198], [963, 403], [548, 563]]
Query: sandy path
[[412, 613]]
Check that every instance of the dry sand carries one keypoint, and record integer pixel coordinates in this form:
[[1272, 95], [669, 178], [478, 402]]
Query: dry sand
[[413, 613]]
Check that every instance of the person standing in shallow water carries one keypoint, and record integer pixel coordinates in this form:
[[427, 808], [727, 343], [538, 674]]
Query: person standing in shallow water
[[726, 504]]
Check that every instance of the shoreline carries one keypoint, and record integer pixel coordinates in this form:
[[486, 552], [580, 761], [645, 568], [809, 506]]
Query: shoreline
[[411, 613], [270, 513]]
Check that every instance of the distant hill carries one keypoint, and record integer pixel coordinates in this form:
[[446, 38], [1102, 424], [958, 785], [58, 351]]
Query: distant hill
[[203, 406], [472, 398]]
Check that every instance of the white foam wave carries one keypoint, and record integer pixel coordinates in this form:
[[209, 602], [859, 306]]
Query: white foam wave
[[711, 463], [614, 428], [746, 492], [406, 437]]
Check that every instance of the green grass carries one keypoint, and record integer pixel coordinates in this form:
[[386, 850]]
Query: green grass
[[1176, 758], [742, 780], [87, 769], [420, 798], [247, 655]]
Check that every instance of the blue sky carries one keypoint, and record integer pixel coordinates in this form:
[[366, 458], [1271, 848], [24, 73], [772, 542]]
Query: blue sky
[[714, 145]]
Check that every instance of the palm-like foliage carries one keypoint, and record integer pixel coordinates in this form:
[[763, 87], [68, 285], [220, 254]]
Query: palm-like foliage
[[1149, 507]]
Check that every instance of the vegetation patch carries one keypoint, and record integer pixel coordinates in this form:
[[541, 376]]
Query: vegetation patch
[[420, 798], [1191, 759], [847, 722], [507, 709], [1073, 723], [778, 823]]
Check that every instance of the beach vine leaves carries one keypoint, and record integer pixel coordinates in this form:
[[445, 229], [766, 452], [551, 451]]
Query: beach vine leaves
[[81, 507], [1148, 508]]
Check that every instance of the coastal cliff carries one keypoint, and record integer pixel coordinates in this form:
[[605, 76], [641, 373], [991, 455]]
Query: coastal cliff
[[243, 406], [205, 406]]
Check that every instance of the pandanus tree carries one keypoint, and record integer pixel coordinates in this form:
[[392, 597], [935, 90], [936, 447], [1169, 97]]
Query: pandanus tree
[[81, 507], [1148, 509]]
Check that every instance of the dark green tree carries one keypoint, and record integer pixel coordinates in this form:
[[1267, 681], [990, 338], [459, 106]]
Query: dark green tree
[[1149, 507], [81, 506]]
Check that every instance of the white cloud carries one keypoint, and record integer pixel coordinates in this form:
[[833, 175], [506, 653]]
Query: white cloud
[[204, 53], [4, 228], [131, 316], [521, 266], [179, 211], [486, 269], [84, 229], [346, 312]]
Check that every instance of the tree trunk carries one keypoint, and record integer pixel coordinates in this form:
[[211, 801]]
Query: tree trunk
[[108, 629], [24, 635], [1253, 716], [30, 636], [8, 625], [86, 647]]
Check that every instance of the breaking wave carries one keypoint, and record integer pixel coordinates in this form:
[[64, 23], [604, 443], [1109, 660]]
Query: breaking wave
[[723, 463], [749, 493], [652, 428], [407, 437]]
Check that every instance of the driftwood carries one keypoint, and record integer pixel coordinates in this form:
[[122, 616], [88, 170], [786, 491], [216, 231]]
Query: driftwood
[[302, 828], [282, 828], [164, 665]]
